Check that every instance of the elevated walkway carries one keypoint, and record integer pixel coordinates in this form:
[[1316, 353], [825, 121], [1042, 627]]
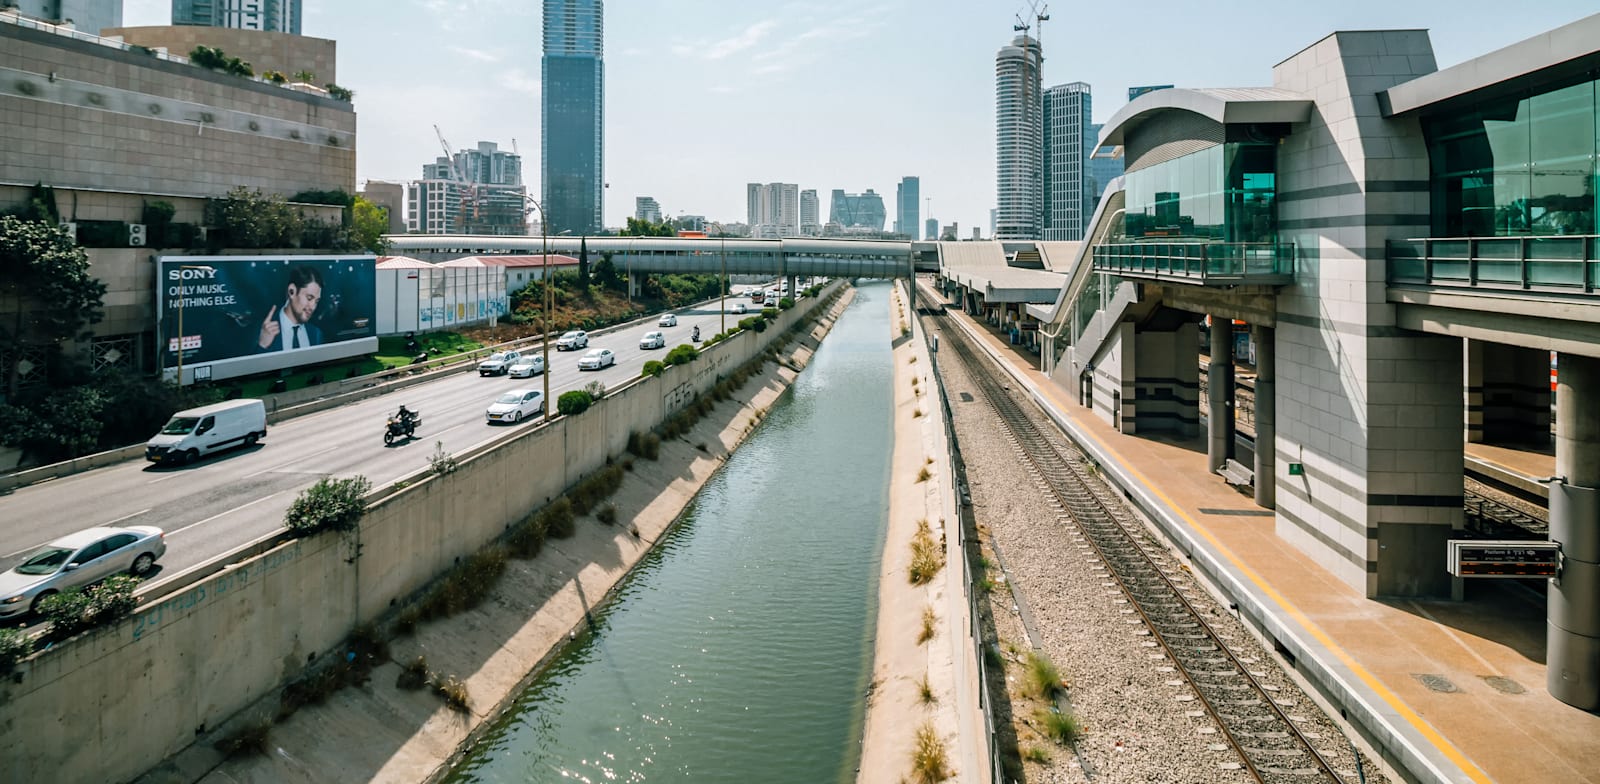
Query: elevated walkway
[[1448, 691]]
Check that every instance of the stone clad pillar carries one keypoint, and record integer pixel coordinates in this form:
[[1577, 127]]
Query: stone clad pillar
[[1219, 383], [1572, 643], [1266, 418]]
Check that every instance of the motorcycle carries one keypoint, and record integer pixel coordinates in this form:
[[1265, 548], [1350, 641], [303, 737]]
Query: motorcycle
[[396, 429], [696, 336]]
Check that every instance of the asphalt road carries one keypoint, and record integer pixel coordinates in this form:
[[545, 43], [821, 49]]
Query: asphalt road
[[225, 501]]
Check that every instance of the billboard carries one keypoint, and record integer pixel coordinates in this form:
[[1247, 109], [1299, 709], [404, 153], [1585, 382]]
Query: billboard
[[219, 308]]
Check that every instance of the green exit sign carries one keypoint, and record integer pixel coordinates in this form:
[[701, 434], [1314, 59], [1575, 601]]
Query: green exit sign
[[1297, 469]]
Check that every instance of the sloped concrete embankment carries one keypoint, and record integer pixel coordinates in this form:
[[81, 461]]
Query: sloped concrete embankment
[[117, 702]]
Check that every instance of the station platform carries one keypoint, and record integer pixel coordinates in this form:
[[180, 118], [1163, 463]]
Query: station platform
[[1517, 467], [1446, 691]]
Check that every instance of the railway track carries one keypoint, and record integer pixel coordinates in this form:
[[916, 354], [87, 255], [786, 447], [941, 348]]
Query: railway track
[[1249, 712]]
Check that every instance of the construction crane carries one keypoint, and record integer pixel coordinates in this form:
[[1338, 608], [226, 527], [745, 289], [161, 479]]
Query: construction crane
[[469, 193]]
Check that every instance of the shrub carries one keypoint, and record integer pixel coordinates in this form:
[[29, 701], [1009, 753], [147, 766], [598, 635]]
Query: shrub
[[77, 610], [929, 762], [574, 402], [607, 514], [414, 675], [923, 475], [788, 302], [928, 625], [1060, 727], [769, 313], [682, 355], [558, 520], [14, 646], [596, 389], [650, 446], [466, 584], [453, 692], [595, 488], [925, 692], [926, 556], [753, 323], [1041, 679], [330, 504], [654, 368], [248, 739], [1037, 754], [443, 462]]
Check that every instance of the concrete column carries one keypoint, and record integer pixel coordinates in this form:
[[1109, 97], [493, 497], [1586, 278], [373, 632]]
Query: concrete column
[[1572, 642], [1508, 394], [1266, 421], [1219, 381], [633, 285]]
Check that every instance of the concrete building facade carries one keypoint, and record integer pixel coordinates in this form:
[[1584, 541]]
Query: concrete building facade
[[646, 208], [1068, 190], [810, 216], [265, 51], [772, 210], [89, 16]]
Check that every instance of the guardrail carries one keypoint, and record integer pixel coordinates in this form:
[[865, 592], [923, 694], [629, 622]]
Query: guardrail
[[1549, 265], [1206, 263]]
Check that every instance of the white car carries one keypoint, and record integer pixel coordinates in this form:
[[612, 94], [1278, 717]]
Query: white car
[[528, 366], [76, 560], [498, 363], [514, 406], [667, 320], [739, 307], [653, 340], [597, 358], [572, 341]]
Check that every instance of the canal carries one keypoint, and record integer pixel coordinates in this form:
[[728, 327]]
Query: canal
[[740, 649]]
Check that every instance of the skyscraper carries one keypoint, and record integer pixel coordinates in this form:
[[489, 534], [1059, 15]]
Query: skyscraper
[[477, 191], [773, 209], [1068, 189], [906, 197], [1102, 168], [1018, 153], [857, 210], [930, 229], [90, 16], [646, 208], [572, 121], [278, 16], [810, 220]]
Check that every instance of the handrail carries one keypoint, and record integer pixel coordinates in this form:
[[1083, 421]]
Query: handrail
[[1560, 264], [1199, 260]]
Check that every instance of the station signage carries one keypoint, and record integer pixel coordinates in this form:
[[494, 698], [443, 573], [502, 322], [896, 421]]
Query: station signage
[[1503, 558]]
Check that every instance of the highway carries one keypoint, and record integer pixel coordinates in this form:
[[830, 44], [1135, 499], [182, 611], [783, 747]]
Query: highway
[[240, 495]]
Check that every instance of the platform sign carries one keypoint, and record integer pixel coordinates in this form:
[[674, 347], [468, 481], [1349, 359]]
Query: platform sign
[[1503, 558]]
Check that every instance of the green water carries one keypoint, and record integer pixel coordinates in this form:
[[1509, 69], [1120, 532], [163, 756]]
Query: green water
[[740, 650]]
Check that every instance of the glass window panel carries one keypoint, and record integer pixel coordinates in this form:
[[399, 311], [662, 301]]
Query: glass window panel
[[1562, 153]]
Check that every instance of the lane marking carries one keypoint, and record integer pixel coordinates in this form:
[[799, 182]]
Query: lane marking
[[98, 525], [224, 514], [291, 462]]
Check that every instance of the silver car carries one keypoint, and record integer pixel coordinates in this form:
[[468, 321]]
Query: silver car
[[77, 560]]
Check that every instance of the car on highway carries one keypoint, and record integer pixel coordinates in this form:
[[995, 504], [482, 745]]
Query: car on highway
[[597, 358], [572, 341], [514, 406], [76, 560], [667, 320], [528, 366], [739, 307], [653, 339], [499, 363]]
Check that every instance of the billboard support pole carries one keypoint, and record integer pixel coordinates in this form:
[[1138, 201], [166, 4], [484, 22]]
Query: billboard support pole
[[181, 299]]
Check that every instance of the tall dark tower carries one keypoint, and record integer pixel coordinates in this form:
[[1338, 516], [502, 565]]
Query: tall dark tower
[[572, 141]]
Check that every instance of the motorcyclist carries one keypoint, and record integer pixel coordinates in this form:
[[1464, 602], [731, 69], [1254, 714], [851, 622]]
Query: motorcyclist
[[696, 334], [406, 417]]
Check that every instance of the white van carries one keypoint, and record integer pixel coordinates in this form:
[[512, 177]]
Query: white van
[[192, 434]]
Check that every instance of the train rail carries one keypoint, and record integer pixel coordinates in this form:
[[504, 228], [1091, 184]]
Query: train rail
[[1248, 710]]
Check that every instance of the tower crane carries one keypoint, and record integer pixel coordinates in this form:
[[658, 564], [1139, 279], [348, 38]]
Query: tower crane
[[469, 193]]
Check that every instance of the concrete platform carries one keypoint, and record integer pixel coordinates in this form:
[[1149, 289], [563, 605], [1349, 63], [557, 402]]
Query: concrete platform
[[1516, 467], [1447, 691]]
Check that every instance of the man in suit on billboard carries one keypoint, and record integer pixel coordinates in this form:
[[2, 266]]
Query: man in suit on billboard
[[288, 326]]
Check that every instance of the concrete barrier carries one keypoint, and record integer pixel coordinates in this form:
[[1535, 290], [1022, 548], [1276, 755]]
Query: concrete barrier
[[108, 705]]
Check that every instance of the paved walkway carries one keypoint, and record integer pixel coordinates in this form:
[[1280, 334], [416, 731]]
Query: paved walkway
[[1450, 691]]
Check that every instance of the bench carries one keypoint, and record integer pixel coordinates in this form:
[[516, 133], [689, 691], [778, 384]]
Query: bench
[[1237, 473]]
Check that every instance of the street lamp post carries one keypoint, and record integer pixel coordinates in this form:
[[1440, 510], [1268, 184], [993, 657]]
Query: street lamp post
[[722, 283], [544, 283], [182, 298]]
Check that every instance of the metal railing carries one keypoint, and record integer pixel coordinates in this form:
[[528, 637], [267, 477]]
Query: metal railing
[[79, 35], [1568, 264], [1199, 261]]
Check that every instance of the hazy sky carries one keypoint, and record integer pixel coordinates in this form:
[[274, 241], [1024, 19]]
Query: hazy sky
[[703, 96]]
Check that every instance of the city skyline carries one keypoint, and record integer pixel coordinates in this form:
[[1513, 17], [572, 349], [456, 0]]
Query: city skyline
[[834, 129]]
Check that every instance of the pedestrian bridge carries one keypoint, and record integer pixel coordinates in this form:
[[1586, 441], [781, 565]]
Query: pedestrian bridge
[[808, 256]]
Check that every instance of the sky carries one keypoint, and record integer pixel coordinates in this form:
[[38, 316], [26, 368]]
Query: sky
[[704, 96]]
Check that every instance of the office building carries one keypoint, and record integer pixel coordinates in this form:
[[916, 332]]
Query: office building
[[773, 209], [857, 210], [390, 197], [90, 16], [1135, 92], [1019, 154], [1068, 193], [1104, 166], [277, 16], [930, 230], [810, 217], [994, 215], [572, 121], [486, 165], [646, 208], [907, 196]]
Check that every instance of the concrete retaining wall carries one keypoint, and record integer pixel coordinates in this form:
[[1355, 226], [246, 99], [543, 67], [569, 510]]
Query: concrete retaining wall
[[111, 704]]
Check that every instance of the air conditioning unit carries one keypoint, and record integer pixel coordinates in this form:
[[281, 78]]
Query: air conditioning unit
[[71, 229], [136, 235]]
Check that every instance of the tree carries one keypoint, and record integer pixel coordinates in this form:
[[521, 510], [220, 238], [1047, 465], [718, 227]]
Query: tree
[[583, 264], [645, 228], [308, 77], [606, 274], [252, 219], [47, 294], [368, 223]]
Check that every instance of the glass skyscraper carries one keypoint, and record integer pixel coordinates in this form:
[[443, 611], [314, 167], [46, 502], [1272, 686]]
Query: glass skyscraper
[[906, 195], [278, 16], [1068, 189], [572, 163]]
